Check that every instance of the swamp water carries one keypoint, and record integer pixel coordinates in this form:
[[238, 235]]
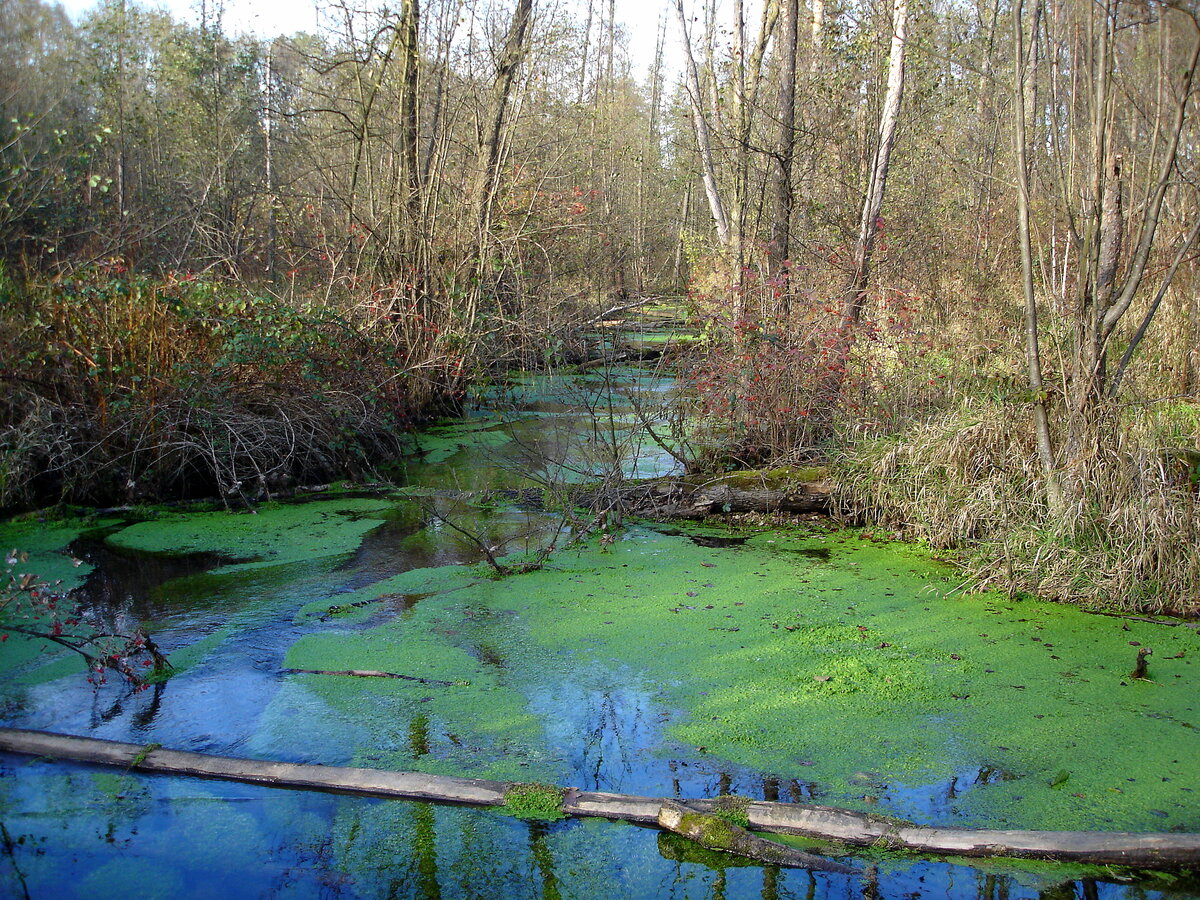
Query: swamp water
[[796, 664]]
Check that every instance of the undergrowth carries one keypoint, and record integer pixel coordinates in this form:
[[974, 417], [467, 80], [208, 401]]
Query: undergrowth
[[120, 387], [932, 435]]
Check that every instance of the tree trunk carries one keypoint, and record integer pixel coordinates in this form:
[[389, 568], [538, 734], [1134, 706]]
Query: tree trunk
[[818, 37], [855, 293], [516, 46], [703, 140], [1033, 356], [1158, 851], [781, 164], [869, 221]]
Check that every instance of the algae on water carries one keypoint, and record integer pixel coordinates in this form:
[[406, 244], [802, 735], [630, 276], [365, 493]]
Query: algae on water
[[272, 534]]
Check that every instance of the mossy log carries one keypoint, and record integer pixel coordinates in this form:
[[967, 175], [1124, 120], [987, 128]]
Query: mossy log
[[712, 832], [697, 498], [1156, 851]]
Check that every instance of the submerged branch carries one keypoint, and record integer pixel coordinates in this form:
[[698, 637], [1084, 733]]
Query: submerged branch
[[371, 673]]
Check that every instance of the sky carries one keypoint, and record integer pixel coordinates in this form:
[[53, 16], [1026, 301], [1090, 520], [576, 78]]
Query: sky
[[266, 18]]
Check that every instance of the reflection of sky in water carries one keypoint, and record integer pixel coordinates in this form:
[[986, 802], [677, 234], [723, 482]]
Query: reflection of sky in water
[[79, 831], [86, 832]]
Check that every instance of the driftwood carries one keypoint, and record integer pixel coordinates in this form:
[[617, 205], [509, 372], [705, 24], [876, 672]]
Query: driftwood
[[1177, 622], [1157, 851], [371, 673]]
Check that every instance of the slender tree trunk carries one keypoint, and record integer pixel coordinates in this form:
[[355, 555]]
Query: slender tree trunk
[[410, 59], [120, 184], [703, 142], [583, 53], [685, 214], [447, 25], [869, 221], [741, 184], [818, 37], [516, 46], [781, 168], [268, 161], [1033, 357], [855, 292]]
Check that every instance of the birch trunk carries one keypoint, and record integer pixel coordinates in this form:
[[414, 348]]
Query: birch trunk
[[703, 139], [868, 225]]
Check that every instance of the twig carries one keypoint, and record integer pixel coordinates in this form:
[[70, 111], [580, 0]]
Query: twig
[[371, 673]]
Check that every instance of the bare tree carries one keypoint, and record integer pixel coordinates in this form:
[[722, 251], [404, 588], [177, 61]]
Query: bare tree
[[869, 220], [708, 169]]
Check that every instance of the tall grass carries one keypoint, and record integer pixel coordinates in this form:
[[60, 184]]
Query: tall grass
[[970, 480]]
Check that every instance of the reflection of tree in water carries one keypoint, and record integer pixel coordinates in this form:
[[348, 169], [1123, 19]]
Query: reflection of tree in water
[[121, 592], [543, 859], [425, 846], [616, 731]]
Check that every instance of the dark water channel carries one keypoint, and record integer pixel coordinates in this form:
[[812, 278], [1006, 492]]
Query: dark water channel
[[233, 620]]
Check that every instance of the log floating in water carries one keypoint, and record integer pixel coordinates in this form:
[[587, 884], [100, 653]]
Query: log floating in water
[[819, 822], [1162, 850], [406, 785]]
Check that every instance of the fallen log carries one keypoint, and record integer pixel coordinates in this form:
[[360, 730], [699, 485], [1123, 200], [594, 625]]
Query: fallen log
[[341, 779], [1152, 851], [1147, 851], [371, 673], [682, 498], [723, 499], [712, 832]]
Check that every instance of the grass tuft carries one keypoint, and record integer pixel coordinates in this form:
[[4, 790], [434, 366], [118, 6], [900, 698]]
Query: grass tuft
[[533, 800]]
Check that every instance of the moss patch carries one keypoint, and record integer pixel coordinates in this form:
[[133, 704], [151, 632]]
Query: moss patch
[[733, 809], [533, 800]]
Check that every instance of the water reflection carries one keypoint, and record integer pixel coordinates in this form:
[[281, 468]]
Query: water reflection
[[75, 831]]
